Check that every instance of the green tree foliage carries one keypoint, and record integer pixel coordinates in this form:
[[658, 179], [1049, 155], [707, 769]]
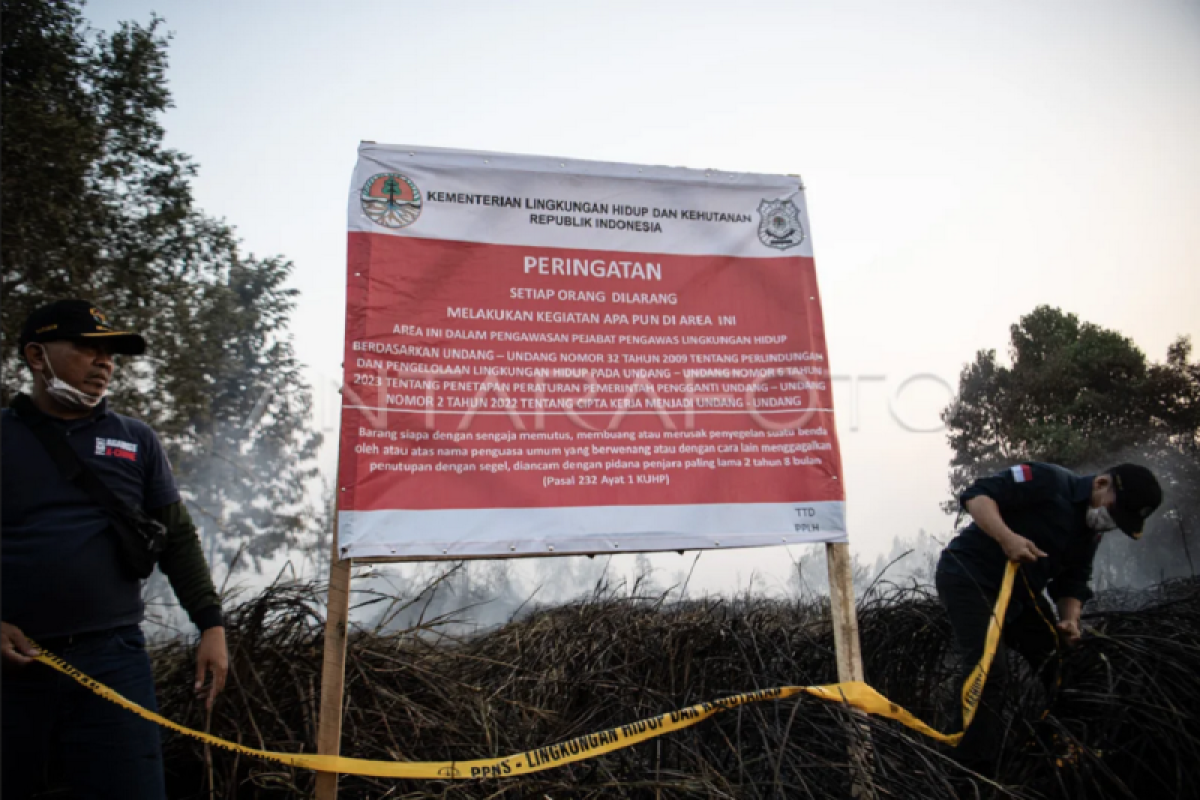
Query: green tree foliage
[[95, 205], [1085, 397]]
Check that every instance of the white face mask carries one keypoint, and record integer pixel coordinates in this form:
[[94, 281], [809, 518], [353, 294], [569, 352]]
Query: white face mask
[[1099, 520], [66, 394]]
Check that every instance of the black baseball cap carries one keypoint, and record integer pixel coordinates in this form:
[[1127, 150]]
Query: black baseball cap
[[78, 320], [1138, 495]]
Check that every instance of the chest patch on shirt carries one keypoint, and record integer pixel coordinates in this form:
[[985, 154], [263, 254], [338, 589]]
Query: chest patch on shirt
[[116, 448]]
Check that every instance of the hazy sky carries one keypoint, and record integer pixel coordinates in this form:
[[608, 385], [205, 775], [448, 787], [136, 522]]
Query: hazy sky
[[965, 162]]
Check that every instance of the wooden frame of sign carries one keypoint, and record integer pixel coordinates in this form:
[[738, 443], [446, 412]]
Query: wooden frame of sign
[[333, 670]]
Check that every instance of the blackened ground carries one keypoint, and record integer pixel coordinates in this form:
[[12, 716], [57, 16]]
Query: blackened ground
[[1126, 723]]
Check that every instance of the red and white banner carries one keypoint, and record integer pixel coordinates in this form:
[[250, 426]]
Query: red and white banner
[[556, 356]]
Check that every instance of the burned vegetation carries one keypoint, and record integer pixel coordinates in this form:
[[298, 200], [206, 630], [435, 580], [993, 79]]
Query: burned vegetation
[[1126, 723]]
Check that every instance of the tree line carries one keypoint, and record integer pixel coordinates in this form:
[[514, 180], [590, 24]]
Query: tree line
[[95, 205]]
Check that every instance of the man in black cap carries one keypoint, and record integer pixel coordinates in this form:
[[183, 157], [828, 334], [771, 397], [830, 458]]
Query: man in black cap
[[89, 504], [1050, 521]]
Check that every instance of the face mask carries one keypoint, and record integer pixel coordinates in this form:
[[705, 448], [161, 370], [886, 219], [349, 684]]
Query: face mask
[[1099, 520], [66, 394]]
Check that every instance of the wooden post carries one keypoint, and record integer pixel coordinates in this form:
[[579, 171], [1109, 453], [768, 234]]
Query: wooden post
[[845, 621], [849, 658], [333, 670]]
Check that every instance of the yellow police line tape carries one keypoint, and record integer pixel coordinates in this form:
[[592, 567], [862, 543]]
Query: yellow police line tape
[[854, 693]]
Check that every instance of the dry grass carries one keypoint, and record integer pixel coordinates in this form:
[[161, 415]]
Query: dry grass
[[1131, 716]]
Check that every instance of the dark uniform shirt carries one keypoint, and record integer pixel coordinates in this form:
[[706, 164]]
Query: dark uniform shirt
[[1046, 504], [61, 574]]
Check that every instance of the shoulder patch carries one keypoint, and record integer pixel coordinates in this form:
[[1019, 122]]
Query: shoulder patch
[[1022, 473]]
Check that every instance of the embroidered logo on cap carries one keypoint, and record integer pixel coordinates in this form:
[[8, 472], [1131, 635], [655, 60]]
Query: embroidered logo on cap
[[99, 318]]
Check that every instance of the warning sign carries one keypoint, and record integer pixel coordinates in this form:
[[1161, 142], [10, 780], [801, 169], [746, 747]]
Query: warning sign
[[555, 356]]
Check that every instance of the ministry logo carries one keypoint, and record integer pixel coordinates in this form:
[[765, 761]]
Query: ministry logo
[[391, 200], [780, 225]]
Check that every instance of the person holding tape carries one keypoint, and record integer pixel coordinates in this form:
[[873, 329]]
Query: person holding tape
[[1051, 522], [89, 507]]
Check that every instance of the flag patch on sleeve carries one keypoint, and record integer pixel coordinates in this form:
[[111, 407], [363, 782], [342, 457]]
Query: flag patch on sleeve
[[1022, 473]]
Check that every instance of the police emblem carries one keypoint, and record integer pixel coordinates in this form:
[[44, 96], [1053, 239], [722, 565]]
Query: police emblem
[[779, 226], [391, 200]]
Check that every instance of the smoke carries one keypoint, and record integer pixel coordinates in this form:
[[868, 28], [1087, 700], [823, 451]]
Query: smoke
[[460, 598], [466, 597], [1170, 545]]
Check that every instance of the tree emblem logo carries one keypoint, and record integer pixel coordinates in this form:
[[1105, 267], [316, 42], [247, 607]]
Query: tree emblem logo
[[779, 226], [391, 200]]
